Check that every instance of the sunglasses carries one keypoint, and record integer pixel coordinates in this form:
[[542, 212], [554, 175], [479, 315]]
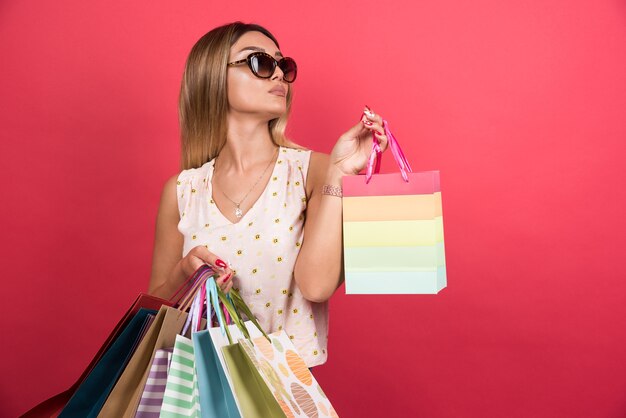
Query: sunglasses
[[263, 66]]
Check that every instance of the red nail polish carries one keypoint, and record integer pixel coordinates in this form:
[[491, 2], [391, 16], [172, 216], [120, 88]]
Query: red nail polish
[[368, 112], [220, 263], [227, 278]]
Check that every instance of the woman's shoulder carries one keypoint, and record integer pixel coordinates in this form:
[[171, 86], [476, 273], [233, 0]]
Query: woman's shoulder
[[308, 160], [299, 151], [313, 165], [192, 173], [295, 150]]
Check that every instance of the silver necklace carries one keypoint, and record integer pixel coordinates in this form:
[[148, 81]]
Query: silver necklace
[[238, 211]]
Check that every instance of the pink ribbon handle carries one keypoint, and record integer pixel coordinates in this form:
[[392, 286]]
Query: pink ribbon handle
[[373, 164], [201, 306], [226, 315]]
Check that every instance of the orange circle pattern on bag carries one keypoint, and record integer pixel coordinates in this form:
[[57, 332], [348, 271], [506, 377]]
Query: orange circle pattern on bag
[[265, 347], [304, 400], [285, 408], [298, 367], [288, 378]]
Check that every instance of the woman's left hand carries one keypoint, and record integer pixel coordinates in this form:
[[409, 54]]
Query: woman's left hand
[[351, 152]]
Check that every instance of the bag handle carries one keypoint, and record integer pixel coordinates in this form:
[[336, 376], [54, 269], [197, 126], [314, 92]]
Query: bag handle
[[204, 291], [187, 283], [188, 297], [373, 164], [195, 312], [204, 295], [235, 304]]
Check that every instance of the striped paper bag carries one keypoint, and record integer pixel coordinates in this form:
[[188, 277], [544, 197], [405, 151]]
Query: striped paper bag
[[393, 229], [181, 398], [152, 396]]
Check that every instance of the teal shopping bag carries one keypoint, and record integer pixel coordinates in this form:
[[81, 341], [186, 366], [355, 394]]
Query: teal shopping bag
[[93, 392], [216, 396], [53, 406]]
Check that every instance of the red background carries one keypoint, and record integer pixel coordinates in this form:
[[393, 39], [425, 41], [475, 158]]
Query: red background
[[520, 105]]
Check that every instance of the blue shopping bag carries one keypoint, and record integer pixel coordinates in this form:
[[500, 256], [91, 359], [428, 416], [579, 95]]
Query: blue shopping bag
[[216, 397], [93, 392]]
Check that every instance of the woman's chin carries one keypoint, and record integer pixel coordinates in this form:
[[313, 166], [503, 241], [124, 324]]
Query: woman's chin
[[277, 112]]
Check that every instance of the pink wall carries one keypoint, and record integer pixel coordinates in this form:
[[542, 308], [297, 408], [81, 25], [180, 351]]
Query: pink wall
[[520, 105]]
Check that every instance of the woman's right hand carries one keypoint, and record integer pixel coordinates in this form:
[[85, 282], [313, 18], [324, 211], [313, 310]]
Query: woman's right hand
[[200, 255]]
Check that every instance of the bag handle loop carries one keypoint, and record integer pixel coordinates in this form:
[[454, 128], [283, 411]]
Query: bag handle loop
[[373, 164]]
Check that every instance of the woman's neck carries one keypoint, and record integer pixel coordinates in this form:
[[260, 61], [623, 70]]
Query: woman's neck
[[248, 144]]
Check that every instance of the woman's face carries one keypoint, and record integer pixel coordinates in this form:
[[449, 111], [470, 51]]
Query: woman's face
[[249, 94]]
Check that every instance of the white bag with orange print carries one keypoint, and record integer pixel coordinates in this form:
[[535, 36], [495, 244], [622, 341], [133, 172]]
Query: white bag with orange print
[[287, 376]]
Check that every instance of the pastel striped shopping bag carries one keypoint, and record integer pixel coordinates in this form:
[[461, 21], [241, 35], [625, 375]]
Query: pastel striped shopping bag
[[152, 396], [393, 229], [181, 398]]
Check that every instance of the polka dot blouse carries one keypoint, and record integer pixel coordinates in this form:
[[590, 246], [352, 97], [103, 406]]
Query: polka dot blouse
[[261, 248]]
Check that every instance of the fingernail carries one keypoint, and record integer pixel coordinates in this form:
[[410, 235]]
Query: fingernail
[[220, 263], [227, 278], [367, 122]]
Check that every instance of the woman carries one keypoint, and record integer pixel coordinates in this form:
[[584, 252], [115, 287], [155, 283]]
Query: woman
[[263, 211]]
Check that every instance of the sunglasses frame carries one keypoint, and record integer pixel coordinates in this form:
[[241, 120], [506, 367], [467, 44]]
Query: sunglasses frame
[[248, 60]]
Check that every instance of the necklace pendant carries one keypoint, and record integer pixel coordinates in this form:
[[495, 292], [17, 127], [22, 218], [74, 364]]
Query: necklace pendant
[[238, 213]]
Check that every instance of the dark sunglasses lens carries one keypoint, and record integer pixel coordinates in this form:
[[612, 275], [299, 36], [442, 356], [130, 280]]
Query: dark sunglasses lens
[[262, 65], [289, 69]]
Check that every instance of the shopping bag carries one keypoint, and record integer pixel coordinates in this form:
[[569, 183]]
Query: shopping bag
[[216, 387], [217, 399], [254, 398], [393, 229], [152, 396], [162, 393], [126, 394], [286, 376], [92, 393], [124, 398], [181, 397], [52, 407], [258, 391]]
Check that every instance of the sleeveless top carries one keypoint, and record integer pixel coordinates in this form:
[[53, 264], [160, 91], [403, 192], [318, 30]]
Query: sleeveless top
[[261, 248]]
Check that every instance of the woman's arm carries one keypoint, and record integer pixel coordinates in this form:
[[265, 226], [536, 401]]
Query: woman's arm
[[318, 269], [168, 245], [169, 268]]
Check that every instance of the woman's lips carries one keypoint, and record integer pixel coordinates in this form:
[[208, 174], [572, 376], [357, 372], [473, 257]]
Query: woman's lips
[[278, 92]]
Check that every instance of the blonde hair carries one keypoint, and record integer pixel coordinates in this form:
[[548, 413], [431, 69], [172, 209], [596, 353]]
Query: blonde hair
[[203, 100]]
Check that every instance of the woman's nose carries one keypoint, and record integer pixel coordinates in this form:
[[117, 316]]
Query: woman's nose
[[278, 73]]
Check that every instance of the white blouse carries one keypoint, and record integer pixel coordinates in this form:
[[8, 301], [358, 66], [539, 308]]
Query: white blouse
[[261, 248]]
